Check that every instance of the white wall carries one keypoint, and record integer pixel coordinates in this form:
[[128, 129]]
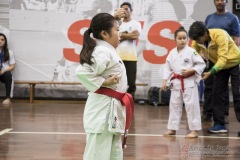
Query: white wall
[[39, 34]]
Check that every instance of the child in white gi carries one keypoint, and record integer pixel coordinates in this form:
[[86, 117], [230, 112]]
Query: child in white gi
[[183, 69], [100, 66]]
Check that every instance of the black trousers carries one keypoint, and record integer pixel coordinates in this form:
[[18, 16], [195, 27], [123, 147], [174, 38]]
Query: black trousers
[[220, 89], [208, 93], [131, 69], [6, 78]]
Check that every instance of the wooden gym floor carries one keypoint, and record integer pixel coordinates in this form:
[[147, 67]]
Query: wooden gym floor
[[53, 130]]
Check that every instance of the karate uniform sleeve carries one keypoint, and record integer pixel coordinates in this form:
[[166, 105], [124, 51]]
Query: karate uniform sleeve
[[167, 68], [198, 63], [91, 76]]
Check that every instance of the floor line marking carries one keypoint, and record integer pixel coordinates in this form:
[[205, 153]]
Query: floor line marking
[[140, 135], [7, 130], [69, 133], [181, 136]]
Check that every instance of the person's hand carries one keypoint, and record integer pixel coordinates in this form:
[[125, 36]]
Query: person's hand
[[121, 36], [113, 79], [2, 72], [187, 72], [206, 75], [120, 13], [164, 85]]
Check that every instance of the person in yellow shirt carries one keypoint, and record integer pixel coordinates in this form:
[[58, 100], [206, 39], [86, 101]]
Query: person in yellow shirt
[[223, 56], [229, 22]]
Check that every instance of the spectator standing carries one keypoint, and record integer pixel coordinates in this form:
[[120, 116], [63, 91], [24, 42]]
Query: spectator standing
[[129, 32]]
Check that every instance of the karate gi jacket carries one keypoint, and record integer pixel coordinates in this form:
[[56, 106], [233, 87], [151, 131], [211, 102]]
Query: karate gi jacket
[[101, 110], [176, 62]]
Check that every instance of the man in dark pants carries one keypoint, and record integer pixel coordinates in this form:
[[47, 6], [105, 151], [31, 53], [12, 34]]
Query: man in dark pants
[[229, 22], [131, 66], [218, 47], [129, 33]]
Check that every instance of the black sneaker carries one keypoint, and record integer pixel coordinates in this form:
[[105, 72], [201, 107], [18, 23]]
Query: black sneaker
[[206, 118], [218, 129], [238, 133]]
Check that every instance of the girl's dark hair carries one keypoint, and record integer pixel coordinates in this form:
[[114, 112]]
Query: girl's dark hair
[[5, 48], [100, 22], [197, 30], [180, 29]]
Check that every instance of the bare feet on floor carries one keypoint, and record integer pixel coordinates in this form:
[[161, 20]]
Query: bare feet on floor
[[6, 101], [170, 132], [193, 134]]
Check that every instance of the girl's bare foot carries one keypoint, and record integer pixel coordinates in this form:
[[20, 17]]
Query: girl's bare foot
[[193, 134], [6, 101], [169, 133]]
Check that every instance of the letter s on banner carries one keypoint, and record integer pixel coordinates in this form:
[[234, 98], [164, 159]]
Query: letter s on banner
[[75, 36], [154, 38]]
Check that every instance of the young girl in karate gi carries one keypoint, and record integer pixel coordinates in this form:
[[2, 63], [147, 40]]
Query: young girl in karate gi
[[183, 70], [100, 66]]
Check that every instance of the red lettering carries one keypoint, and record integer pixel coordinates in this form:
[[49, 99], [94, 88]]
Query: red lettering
[[154, 38], [75, 36]]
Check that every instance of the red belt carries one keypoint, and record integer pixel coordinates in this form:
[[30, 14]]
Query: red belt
[[180, 77], [127, 101]]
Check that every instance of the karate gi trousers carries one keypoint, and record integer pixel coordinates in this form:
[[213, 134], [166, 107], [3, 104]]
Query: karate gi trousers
[[190, 98], [110, 144]]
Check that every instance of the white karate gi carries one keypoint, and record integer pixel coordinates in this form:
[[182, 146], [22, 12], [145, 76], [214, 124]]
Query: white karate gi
[[104, 117], [188, 58]]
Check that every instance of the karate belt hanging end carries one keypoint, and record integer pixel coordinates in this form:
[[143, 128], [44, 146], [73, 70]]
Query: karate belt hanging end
[[124, 143]]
